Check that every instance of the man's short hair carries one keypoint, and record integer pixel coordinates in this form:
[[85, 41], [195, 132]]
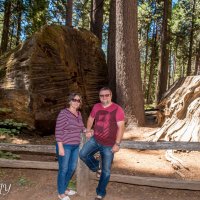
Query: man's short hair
[[105, 88]]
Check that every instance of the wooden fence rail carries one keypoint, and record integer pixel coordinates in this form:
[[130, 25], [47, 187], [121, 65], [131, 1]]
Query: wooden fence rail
[[140, 145]]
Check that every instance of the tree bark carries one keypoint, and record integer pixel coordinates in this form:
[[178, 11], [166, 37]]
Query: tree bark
[[164, 55], [111, 61], [69, 12], [189, 66], [128, 75], [6, 23], [97, 18]]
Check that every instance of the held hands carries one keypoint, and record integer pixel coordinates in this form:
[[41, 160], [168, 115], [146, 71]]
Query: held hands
[[89, 133]]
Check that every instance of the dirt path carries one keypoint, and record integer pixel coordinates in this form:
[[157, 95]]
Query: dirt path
[[41, 185]]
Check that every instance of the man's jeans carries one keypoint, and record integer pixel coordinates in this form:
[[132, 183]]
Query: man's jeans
[[67, 166], [87, 155]]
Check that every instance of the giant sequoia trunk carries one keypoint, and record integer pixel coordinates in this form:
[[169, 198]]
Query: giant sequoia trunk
[[180, 112], [37, 76], [128, 76]]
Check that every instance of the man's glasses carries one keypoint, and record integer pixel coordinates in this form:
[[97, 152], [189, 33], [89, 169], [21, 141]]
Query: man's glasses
[[104, 95], [76, 100]]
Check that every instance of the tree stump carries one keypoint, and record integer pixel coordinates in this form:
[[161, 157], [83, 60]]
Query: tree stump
[[179, 114]]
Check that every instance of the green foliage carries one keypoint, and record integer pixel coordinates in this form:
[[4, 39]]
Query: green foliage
[[5, 110], [11, 127], [72, 184], [149, 106], [23, 181], [9, 155], [36, 15]]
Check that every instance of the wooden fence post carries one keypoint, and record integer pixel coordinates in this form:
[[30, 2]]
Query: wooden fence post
[[83, 173]]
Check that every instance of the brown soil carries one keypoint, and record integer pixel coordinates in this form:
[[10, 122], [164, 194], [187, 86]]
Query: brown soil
[[27, 184]]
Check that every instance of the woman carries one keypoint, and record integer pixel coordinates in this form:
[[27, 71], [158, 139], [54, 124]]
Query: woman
[[69, 126]]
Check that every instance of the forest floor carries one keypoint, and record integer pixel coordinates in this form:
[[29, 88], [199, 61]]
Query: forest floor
[[29, 184]]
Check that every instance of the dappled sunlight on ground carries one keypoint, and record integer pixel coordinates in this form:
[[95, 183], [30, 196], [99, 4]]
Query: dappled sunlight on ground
[[19, 141], [138, 133]]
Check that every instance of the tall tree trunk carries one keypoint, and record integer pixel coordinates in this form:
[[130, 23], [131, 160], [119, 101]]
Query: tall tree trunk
[[164, 55], [174, 69], [19, 19], [189, 66], [111, 61], [6, 23], [152, 64], [128, 75], [91, 15], [11, 35], [197, 64], [146, 60], [97, 18], [170, 69], [69, 12]]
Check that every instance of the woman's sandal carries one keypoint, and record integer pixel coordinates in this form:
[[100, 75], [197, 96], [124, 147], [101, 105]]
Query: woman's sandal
[[63, 198]]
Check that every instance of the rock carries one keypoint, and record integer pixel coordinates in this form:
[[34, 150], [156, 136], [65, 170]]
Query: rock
[[37, 76]]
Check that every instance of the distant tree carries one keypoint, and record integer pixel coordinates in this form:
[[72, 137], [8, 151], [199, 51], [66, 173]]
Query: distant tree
[[128, 76], [189, 66], [19, 9], [153, 63], [97, 18], [6, 26], [164, 51], [197, 63], [69, 12]]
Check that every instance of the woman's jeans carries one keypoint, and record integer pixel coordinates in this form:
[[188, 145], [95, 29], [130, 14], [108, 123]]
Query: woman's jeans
[[87, 155], [67, 165]]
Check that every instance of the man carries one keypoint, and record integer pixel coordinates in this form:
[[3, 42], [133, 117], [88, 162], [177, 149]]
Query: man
[[105, 139]]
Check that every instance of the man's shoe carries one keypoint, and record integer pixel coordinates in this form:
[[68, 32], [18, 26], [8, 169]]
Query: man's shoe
[[98, 173], [98, 197]]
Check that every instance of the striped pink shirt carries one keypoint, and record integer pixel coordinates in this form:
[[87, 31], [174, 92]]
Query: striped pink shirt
[[69, 127]]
